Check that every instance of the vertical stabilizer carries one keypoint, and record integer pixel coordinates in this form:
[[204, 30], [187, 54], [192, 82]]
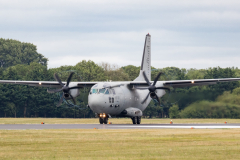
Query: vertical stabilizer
[[146, 60]]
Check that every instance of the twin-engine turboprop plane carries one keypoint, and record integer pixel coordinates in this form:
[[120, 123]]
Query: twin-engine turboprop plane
[[124, 98]]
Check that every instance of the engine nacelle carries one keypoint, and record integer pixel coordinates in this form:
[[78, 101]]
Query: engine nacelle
[[73, 92], [160, 92]]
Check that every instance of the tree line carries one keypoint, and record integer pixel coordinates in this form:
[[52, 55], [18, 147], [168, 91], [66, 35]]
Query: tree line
[[21, 61]]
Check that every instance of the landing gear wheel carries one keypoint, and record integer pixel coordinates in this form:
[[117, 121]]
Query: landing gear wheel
[[134, 120], [105, 120], [100, 120], [138, 120]]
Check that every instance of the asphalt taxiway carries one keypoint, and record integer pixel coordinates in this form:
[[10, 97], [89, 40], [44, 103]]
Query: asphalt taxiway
[[115, 126]]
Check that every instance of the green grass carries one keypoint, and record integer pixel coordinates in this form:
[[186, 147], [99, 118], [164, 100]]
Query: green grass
[[120, 144], [113, 120]]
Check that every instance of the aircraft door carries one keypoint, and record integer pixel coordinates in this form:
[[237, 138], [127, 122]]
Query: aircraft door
[[116, 99], [113, 98]]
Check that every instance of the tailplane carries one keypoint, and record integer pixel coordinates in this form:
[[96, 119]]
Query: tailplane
[[146, 60]]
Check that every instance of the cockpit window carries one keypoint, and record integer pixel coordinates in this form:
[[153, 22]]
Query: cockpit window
[[107, 92], [94, 90], [102, 90]]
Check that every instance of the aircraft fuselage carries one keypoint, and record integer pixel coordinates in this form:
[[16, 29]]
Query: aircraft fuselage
[[114, 100]]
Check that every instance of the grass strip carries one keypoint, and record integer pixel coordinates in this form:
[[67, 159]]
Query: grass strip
[[113, 120], [120, 144]]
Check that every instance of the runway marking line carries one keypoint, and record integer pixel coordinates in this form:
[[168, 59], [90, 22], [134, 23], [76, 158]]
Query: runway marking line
[[187, 127]]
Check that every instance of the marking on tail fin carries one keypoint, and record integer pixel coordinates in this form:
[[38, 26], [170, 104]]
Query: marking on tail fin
[[143, 53], [146, 60]]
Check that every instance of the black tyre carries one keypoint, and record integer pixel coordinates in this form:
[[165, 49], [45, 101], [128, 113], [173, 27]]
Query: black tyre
[[105, 120], [100, 120], [138, 120], [134, 120]]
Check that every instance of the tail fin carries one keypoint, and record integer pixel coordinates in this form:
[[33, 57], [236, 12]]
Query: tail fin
[[146, 60]]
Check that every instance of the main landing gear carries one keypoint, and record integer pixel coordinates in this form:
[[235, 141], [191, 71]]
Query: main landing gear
[[136, 120], [103, 118]]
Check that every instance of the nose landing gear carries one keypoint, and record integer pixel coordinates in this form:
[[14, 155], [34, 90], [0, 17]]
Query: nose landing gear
[[103, 118], [136, 120]]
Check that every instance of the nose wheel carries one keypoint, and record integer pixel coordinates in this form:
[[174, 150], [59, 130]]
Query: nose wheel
[[103, 118], [100, 120]]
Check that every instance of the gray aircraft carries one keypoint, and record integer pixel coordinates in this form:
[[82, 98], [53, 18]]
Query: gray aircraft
[[123, 98]]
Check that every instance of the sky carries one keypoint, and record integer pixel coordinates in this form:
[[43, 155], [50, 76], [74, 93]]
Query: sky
[[185, 33]]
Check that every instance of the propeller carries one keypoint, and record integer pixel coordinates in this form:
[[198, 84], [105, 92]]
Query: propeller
[[65, 88], [152, 88]]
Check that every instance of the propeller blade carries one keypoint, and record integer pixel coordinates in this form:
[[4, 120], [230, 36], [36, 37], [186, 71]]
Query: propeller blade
[[158, 100], [54, 90], [146, 79], [69, 78], [141, 88], [146, 98], [58, 79], [76, 87], [60, 101], [163, 88], [156, 79], [73, 99]]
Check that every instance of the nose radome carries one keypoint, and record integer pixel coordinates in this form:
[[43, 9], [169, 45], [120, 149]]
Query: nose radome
[[94, 102]]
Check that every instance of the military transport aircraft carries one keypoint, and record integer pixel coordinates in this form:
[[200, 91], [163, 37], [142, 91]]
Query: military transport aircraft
[[123, 98]]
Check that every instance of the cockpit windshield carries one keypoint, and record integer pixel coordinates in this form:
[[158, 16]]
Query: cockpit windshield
[[107, 92], [102, 90], [94, 90]]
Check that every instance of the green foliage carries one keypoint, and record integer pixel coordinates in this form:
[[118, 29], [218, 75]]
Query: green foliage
[[114, 73], [218, 72], [227, 97], [196, 74], [173, 73], [132, 71], [9, 109], [153, 110], [90, 71], [174, 112], [13, 52], [236, 91], [226, 105], [208, 109]]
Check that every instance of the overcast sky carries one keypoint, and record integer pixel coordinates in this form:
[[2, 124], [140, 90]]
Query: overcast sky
[[185, 33]]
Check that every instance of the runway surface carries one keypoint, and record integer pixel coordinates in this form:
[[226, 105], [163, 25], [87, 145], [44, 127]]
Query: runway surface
[[115, 126]]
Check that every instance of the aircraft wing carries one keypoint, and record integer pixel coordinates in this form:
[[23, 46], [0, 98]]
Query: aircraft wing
[[51, 84], [197, 82], [186, 83], [174, 83]]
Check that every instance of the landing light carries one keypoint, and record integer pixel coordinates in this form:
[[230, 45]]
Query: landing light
[[100, 115]]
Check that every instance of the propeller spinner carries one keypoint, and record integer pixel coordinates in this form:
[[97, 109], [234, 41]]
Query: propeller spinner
[[65, 88], [152, 88]]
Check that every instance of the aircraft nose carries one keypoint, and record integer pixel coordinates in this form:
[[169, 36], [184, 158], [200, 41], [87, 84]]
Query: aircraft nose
[[95, 102]]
